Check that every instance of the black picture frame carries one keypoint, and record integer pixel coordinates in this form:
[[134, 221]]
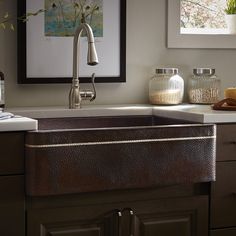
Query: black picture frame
[[22, 47]]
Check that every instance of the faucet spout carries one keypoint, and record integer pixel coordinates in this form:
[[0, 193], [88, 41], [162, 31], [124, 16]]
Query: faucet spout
[[92, 60]]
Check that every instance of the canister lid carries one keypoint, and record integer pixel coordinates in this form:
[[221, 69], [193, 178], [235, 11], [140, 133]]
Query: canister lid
[[168, 71], [204, 71]]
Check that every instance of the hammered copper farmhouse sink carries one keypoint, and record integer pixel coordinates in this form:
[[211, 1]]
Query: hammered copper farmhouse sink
[[76, 155]]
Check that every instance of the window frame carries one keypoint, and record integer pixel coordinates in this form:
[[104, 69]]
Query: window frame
[[177, 40]]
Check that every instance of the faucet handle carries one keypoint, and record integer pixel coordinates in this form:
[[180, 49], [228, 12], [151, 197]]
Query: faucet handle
[[89, 94], [94, 88]]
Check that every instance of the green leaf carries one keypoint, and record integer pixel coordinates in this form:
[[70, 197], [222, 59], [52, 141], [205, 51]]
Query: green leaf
[[230, 7], [2, 25], [6, 15], [12, 27]]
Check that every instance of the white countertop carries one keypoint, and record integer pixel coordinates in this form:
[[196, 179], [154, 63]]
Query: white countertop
[[18, 124], [195, 113], [188, 112]]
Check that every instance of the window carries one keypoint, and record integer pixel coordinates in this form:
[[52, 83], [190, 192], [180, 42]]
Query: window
[[202, 17], [198, 24]]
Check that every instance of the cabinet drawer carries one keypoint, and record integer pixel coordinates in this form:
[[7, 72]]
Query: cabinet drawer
[[11, 153], [224, 232], [226, 142], [223, 201]]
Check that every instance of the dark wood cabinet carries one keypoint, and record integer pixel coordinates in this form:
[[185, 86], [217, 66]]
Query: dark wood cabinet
[[223, 196], [223, 191], [164, 211], [187, 216], [226, 142], [12, 153], [140, 217], [12, 207], [223, 232], [12, 195]]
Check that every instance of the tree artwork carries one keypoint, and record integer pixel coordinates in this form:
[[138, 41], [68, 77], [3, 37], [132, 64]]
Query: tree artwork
[[62, 17]]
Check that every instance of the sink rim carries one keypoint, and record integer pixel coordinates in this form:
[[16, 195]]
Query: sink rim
[[114, 128], [149, 121]]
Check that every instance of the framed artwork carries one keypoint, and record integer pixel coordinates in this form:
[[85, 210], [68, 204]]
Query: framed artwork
[[45, 41], [177, 37]]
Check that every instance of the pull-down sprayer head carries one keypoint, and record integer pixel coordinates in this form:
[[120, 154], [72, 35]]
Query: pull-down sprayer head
[[92, 58]]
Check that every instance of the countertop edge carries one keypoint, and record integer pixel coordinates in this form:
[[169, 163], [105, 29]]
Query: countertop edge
[[187, 112]]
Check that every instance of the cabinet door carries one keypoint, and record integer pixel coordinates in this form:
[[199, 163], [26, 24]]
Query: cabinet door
[[77, 221], [165, 217], [226, 142], [223, 196], [12, 153], [182, 217], [12, 208]]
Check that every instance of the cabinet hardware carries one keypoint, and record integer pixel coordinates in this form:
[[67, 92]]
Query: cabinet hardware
[[131, 220], [131, 213], [119, 214], [112, 222]]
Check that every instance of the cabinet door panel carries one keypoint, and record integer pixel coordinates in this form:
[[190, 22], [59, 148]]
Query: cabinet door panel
[[77, 221], [12, 211], [167, 226], [187, 217], [223, 197], [76, 231]]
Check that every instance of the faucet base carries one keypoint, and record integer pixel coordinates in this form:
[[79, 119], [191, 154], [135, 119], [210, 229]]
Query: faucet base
[[74, 96], [74, 107]]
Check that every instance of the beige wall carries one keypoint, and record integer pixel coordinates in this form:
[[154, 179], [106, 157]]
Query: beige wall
[[146, 49]]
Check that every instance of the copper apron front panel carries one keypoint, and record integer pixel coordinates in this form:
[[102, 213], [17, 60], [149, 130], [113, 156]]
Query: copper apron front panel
[[77, 161]]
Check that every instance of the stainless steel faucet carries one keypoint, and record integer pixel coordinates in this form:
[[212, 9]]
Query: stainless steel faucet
[[76, 96]]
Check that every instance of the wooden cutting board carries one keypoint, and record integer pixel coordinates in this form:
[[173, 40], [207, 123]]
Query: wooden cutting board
[[228, 104]]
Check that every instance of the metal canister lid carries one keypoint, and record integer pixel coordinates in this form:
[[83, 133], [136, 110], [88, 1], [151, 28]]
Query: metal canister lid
[[167, 71], [203, 71]]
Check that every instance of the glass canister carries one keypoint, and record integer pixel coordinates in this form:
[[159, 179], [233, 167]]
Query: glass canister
[[166, 87], [204, 86]]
